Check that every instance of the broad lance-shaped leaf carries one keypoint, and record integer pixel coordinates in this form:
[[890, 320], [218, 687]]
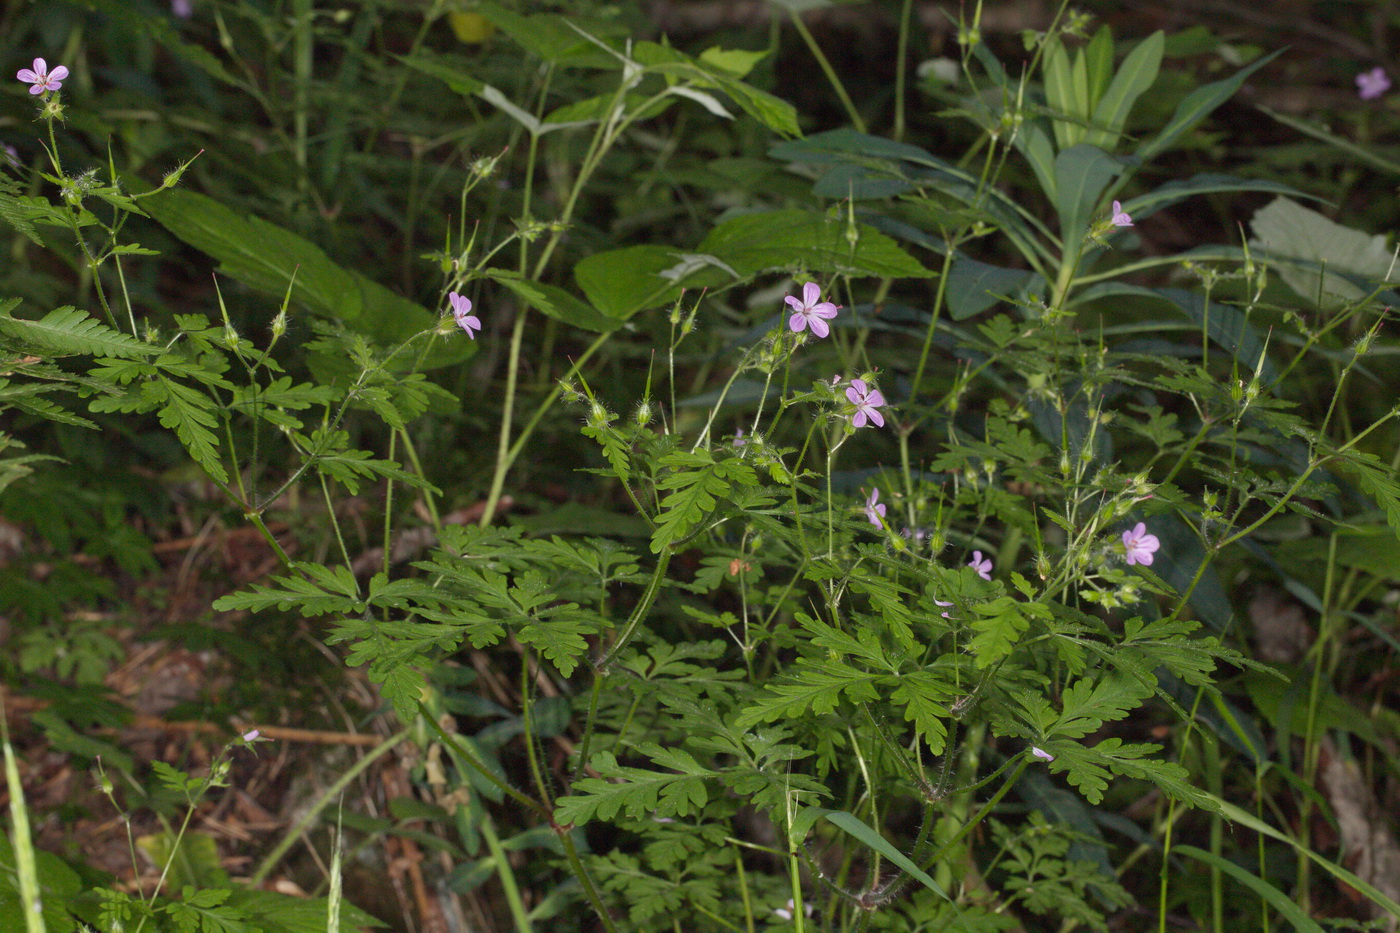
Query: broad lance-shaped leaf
[[788, 239], [1081, 175], [640, 792], [269, 258], [1198, 105], [1137, 73]]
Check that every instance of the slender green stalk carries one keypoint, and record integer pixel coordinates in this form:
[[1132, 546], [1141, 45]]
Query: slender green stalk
[[856, 119], [22, 842], [509, 887], [901, 65], [313, 813]]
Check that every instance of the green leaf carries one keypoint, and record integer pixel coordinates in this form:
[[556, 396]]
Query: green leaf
[[1088, 705], [797, 239], [1137, 73], [641, 793], [922, 694], [974, 286], [559, 634], [1377, 479], [266, 257], [192, 415], [1059, 92], [1309, 251], [554, 302], [68, 331], [862, 831], [1081, 175], [317, 590], [1098, 63], [1238, 815], [194, 861], [812, 686], [551, 37], [621, 282], [1034, 143], [1206, 183], [697, 486], [1281, 902], [999, 626], [1198, 105]]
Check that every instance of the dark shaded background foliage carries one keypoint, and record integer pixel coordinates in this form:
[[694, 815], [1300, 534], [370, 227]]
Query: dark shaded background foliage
[[373, 179]]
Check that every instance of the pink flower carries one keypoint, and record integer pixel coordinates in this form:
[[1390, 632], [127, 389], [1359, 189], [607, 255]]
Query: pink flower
[[1139, 545], [1120, 216], [1372, 84], [41, 78], [739, 439], [462, 313], [939, 602], [251, 735], [983, 565], [810, 311], [875, 509], [182, 8], [1042, 754], [866, 399]]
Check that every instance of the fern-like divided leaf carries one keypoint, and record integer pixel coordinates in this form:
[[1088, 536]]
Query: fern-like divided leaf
[[67, 331], [1090, 770], [639, 792], [191, 414], [815, 687], [320, 590], [698, 483]]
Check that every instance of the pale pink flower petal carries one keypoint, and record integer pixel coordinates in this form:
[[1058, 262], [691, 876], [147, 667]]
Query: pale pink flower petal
[[462, 313], [1372, 84], [1139, 546], [875, 509], [982, 565], [811, 311], [867, 402]]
